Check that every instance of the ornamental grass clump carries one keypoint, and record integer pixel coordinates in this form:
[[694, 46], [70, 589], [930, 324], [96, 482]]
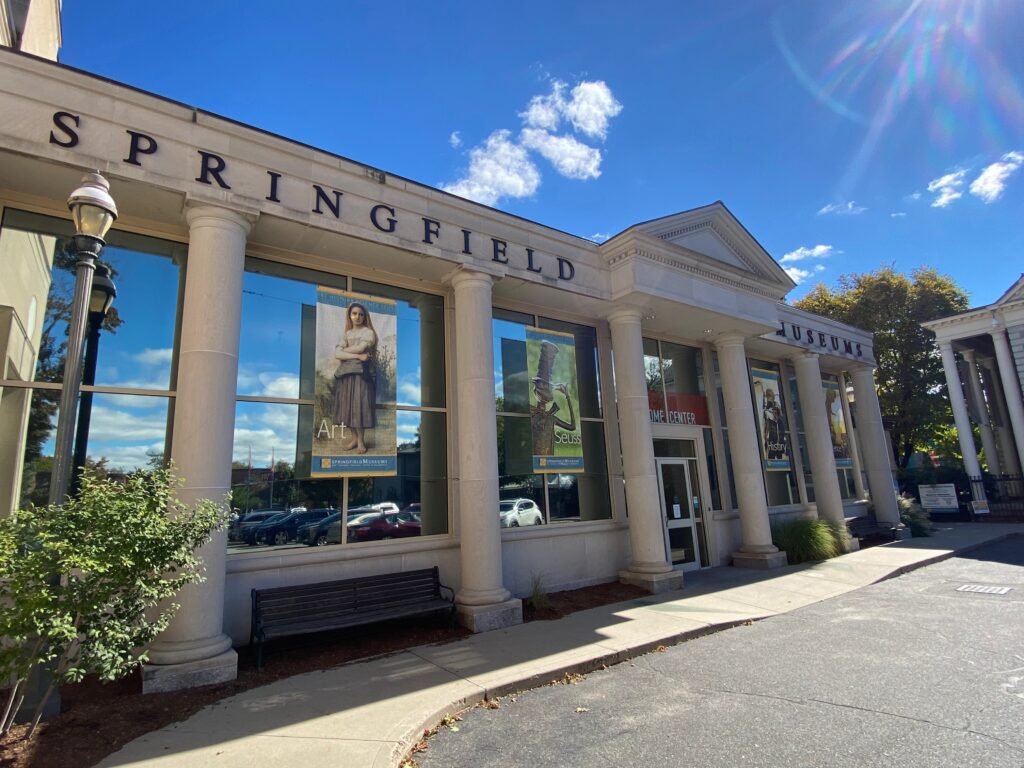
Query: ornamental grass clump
[[803, 539], [914, 516], [77, 579]]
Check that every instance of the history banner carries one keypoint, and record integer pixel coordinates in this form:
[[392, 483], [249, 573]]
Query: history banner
[[837, 424], [554, 401], [354, 419], [771, 420]]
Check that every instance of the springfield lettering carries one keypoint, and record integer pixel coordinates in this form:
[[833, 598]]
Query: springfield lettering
[[214, 171]]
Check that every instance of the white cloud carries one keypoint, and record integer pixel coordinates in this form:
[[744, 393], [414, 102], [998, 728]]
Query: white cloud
[[798, 275], [571, 158], [455, 139], [546, 111], [110, 425], [591, 107], [992, 180], [279, 385], [599, 237], [498, 168], [410, 388], [154, 356], [947, 188], [842, 209], [898, 215], [501, 167], [803, 252], [915, 196]]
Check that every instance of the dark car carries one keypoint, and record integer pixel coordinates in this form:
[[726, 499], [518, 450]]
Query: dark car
[[248, 531], [314, 533], [247, 521], [283, 530]]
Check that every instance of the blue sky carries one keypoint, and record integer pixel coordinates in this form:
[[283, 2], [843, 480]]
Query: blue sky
[[866, 134]]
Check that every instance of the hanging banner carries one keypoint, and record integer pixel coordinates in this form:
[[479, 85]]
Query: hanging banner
[[837, 424], [354, 419], [771, 420], [554, 401]]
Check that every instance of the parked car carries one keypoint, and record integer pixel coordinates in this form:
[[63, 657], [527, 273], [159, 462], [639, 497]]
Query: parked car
[[248, 530], [517, 512], [413, 509], [375, 525], [247, 520], [281, 531], [314, 534]]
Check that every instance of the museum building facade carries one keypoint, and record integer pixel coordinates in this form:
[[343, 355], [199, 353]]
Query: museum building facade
[[546, 410]]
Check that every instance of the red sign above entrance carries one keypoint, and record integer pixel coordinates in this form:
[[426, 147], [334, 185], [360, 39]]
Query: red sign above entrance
[[682, 409]]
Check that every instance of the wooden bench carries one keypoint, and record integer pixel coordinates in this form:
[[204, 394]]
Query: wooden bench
[[306, 608], [868, 527]]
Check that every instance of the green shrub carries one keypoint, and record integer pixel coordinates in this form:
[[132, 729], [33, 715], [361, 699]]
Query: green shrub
[[803, 539], [914, 516], [84, 584]]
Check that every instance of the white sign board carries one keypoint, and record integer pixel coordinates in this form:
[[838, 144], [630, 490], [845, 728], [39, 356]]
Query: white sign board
[[939, 497]]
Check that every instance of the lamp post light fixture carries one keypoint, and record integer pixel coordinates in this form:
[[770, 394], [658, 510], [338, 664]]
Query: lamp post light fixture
[[93, 211], [101, 299]]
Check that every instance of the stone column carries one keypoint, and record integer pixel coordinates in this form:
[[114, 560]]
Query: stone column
[[819, 440], [757, 550], [1004, 433], [194, 650], [988, 440], [960, 416], [482, 602], [1011, 389], [874, 446], [649, 567], [858, 468]]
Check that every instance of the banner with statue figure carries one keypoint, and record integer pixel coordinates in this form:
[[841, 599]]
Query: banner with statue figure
[[354, 419], [554, 401], [771, 420], [837, 424]]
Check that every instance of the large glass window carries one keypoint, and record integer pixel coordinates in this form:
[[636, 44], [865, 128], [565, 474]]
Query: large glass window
[[527, 497], [128, 382], [274, 421], [675, 383], [771, 405]]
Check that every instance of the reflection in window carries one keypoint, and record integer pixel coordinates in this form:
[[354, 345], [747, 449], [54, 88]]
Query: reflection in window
[[553, 497], [131, 348]]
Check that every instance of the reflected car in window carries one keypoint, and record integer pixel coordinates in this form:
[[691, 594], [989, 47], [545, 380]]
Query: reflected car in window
[[519, 512], [249, 520], [375, 526], [281, 531]]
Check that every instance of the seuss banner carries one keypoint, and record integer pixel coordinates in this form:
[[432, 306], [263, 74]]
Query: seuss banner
[[771, 419], [354, 406], [554, 400], [837, 424]]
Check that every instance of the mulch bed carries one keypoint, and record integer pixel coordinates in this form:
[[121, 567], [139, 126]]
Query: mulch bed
[[97, 719]]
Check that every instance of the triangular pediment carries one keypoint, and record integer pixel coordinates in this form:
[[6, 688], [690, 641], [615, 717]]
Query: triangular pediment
[[1014, 293], [715, 235]]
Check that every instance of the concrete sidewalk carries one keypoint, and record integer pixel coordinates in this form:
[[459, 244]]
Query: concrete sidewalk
[[368, 714]]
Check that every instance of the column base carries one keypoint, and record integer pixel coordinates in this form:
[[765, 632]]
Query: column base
[[160, 678], [761, 561], [655, 583], [484, 618], [852, 544]]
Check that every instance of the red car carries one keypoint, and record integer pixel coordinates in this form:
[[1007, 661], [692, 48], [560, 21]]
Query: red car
[[374, 526]]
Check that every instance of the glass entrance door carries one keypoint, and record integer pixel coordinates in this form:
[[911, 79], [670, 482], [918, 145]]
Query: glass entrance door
[[680, 498]]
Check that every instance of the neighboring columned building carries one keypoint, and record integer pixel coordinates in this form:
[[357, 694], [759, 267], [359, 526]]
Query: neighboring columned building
[[300, 330], [983, 357]]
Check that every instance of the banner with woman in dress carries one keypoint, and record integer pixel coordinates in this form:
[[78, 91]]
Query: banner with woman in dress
[[354, 419], [771, 419], [837, 424]]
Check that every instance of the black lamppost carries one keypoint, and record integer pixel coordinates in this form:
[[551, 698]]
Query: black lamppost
[[100, 300], [93, 211]]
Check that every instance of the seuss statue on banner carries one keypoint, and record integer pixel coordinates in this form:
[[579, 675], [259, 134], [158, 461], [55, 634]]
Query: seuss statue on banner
[[543, 415]]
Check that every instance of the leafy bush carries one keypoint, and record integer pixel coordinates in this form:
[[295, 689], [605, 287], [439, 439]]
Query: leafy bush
[[77, 579], [804, 539], [914, 516]]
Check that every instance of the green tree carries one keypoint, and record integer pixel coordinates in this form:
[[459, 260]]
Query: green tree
[[84, 584], [892, 306]]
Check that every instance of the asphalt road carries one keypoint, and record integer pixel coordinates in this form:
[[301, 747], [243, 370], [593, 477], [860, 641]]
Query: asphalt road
[[906, 673]]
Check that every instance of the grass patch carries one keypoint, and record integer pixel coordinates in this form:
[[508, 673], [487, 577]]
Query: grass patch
[[804, 540], [914, 516]]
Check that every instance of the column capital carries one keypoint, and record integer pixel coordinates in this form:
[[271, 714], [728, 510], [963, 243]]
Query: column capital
[[199, 213], [805, 354], [731, 339], [968, 355], [466, 276], [625, 315], [944, 345]]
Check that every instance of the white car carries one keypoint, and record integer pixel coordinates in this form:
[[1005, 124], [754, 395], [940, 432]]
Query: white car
[[517, 512]]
